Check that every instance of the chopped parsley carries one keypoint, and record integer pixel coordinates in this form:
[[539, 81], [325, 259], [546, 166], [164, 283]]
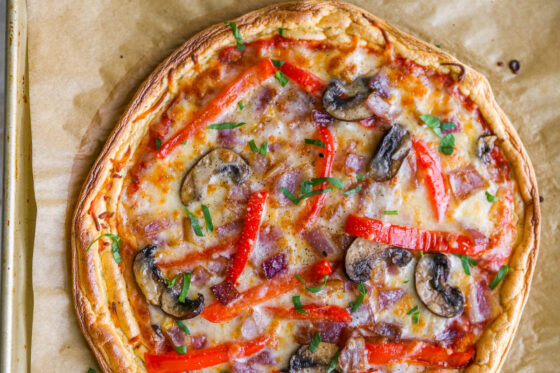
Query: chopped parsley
[[281, 78], [181, 350], [296, 299], [281, 31], [241, 105], [115, 248], [225, 126], [352, 191], [185, 288], [360, 177], [390, 212], [158, 143], [499, 277], [207, 218], [236, 34], [194, 223], [363, 291], [415, 314], [315, 142], [447, 142], [315, 342], [183, 327], [315, 289], [278, 63], [466, 262], [334, 362], [490, 198]]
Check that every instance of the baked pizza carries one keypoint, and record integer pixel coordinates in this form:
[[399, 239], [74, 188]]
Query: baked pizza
[[306, 189]]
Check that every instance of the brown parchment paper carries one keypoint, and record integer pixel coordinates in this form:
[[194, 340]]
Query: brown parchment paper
[[87, 58]]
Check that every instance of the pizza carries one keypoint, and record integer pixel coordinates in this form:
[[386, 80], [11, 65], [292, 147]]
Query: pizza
[[306, 189]]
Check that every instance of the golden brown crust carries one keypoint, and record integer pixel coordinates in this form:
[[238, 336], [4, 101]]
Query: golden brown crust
[[116, 347]]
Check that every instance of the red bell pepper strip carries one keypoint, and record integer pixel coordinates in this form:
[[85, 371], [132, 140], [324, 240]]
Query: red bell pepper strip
[[217, 312], [194, 257], [207, 357], [412, 238], [417, 353], [315, 312], [255, 209], [429, 162], [310, 82], [232, 93], [325, 170]]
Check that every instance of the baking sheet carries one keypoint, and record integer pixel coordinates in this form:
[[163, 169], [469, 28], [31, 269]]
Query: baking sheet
[[87, 58], [19, 205]]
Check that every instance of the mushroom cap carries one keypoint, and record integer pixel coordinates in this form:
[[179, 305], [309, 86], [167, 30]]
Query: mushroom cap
[[391, 151], [303, 358], [430, 278], [219, 162], [348, 102], [171, 305], [484, 145], [147, 275], [363, 254]]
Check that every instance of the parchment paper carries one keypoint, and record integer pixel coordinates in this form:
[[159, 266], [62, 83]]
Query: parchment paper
[[87, 58]]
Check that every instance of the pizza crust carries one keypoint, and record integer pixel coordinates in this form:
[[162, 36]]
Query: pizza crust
[[97, 280]]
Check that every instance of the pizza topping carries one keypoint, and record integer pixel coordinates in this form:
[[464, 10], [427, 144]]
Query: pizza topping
[[305, 358], [275, 265], [172, 300], [432, 271], [390, 153], [321, 242], [314, 312], [348, 102], [484, 146], [352, 356], [236, 34], [465, 181], [225, 292], [220, 162]]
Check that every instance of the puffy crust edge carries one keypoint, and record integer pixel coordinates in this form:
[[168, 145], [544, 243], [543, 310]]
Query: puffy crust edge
[[109, 343]]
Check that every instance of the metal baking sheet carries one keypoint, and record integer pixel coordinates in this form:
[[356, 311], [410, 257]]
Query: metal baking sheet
[[19, 210]]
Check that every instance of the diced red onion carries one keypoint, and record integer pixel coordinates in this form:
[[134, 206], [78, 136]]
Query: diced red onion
[[275, 265], [387, 298], [321, 242], [380, 84]]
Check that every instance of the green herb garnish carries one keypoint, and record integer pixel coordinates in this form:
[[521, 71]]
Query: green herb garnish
[[185, 288], [363, 291], [447, 142], [412, 310], [281, 31], [264, 148], [236, 34], [331, 180], [181, 350], [184, 143], [91, 370], [290, 196], [334, 362], [315, 342], [315, 142], [253, 146], [490, 198], [115, 248], [281, 78], [194, 223], [171, 283], [241, 105], [360, 177], [278, 63], [183, 327], [415, 314], [225, 126], [296, 299], [499, 277], [352, 191], [158, 143], [207, 218], [315, 289], [466, 262], [390, 212]]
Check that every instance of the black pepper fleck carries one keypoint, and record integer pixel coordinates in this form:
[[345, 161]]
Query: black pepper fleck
[[324, 253], [500, 63], [541, 199], [321, 155], [514, 66], [121, 56]]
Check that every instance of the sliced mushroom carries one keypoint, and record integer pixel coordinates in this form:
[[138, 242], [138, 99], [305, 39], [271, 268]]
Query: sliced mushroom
[[362, 256], [147, 275], [484, 146], [321, 358], [439, 297], [151, 283], [171, 305], [348, 102], [390, 153], [220, 162]]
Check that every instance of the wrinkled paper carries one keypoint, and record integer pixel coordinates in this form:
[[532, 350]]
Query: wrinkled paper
[[87, 58]]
